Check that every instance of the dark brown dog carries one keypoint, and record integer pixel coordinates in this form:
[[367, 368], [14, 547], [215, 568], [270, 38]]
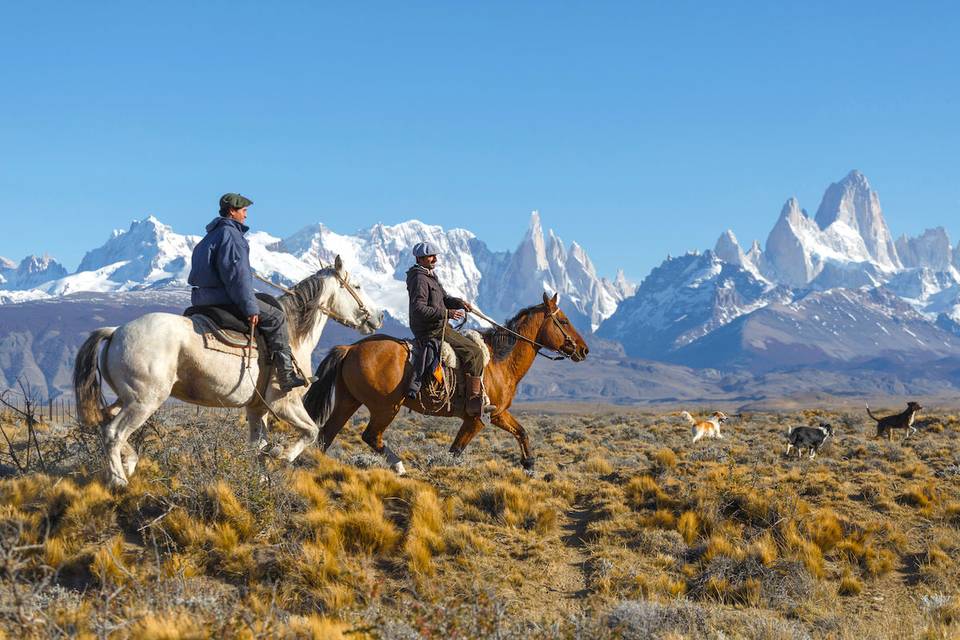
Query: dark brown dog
[[899, 421]]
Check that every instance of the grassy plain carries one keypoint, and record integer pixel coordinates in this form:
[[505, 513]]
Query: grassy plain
[[627, 530]]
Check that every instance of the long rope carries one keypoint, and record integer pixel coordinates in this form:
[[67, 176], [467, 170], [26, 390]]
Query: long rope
[[272, 284]]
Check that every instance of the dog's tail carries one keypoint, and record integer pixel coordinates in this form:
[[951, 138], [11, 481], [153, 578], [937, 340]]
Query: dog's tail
[[870, 413], [689, 418]]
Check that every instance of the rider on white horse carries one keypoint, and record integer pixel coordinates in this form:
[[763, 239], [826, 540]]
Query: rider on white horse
[[221, 276]]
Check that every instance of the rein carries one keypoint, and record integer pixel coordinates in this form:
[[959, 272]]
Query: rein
[[566, 337]]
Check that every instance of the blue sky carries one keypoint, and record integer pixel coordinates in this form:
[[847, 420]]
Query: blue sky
[[637, 129]]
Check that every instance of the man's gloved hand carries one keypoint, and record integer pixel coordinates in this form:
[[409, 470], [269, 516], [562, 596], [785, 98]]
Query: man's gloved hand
[[467, 306]]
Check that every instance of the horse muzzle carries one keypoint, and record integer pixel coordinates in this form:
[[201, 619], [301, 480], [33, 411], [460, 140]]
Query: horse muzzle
[[577, 354], [371, 323]]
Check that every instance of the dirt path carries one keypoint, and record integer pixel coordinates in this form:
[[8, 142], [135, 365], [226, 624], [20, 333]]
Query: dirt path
[[566, 577]]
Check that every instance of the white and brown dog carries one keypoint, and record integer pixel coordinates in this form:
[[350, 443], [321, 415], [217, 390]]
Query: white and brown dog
[[709, 427]]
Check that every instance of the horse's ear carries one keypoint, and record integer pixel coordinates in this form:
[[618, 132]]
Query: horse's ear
[[338, 264], [550, 302]]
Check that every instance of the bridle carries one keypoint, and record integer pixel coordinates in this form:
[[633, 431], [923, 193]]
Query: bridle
[[364, 312], [344, 284], [567, 338]]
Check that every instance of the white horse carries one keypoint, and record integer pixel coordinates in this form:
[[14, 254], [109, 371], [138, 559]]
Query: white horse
[[159, 355]]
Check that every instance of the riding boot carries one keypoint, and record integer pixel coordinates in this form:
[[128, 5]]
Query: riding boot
[[475, 403], [287, 377]]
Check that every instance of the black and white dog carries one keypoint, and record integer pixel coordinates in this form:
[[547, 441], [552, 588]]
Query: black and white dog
[[811, 438]]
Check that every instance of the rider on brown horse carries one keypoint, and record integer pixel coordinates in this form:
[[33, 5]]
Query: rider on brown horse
[[430, 308]]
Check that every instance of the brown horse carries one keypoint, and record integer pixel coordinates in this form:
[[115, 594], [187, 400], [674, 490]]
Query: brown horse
[[374, 372]]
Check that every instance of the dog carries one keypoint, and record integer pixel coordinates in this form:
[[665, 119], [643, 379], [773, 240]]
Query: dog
[[709, 427], [810, 438], [902, 420]]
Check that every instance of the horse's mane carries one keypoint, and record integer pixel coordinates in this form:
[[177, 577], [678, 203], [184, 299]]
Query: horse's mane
[[501, 342], [298, 304]]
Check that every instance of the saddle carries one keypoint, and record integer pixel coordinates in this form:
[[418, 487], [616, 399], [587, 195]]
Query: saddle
[[437, 376], [223, 330]]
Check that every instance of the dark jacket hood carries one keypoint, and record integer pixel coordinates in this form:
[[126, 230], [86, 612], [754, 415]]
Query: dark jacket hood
[[219, 220], [420, 269]]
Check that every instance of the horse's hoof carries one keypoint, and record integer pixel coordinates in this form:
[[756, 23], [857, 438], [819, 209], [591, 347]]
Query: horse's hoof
[[456, 453], [276, 451], [399, 469], [116, 483], [528, 463], [530, 473]]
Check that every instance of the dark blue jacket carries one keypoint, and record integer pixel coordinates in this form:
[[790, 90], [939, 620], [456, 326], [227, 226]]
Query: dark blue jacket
[[220, 270]]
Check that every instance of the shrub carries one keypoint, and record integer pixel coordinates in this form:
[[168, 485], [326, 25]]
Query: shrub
[[850, 585], [666, 458], [825, 529], [688, 525], [597, 463]]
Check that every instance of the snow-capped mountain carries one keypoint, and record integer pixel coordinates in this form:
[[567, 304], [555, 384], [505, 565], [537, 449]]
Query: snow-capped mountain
[[700, 309], [848, 243], [839, 328], [728, 249], [854, 204], [147, 255], [931, 249], [150, 255], [32, 271], [545, 264], [683, 300]]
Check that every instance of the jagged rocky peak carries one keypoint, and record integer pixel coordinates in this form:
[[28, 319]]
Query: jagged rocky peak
[[852, 202], [728, 249], [31, 272], [534, 243], [792, 212], [7, 263], [38, 264], [787, 258], [623, 286], [931, 249], [755, 253]]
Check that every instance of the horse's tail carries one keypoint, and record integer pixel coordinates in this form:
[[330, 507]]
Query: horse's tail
[[318, 400], [870, 413], [91, 408], [689, 418]]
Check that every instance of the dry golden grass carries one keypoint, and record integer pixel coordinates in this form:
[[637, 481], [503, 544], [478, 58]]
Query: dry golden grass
[[850, 585], [623, 508]]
